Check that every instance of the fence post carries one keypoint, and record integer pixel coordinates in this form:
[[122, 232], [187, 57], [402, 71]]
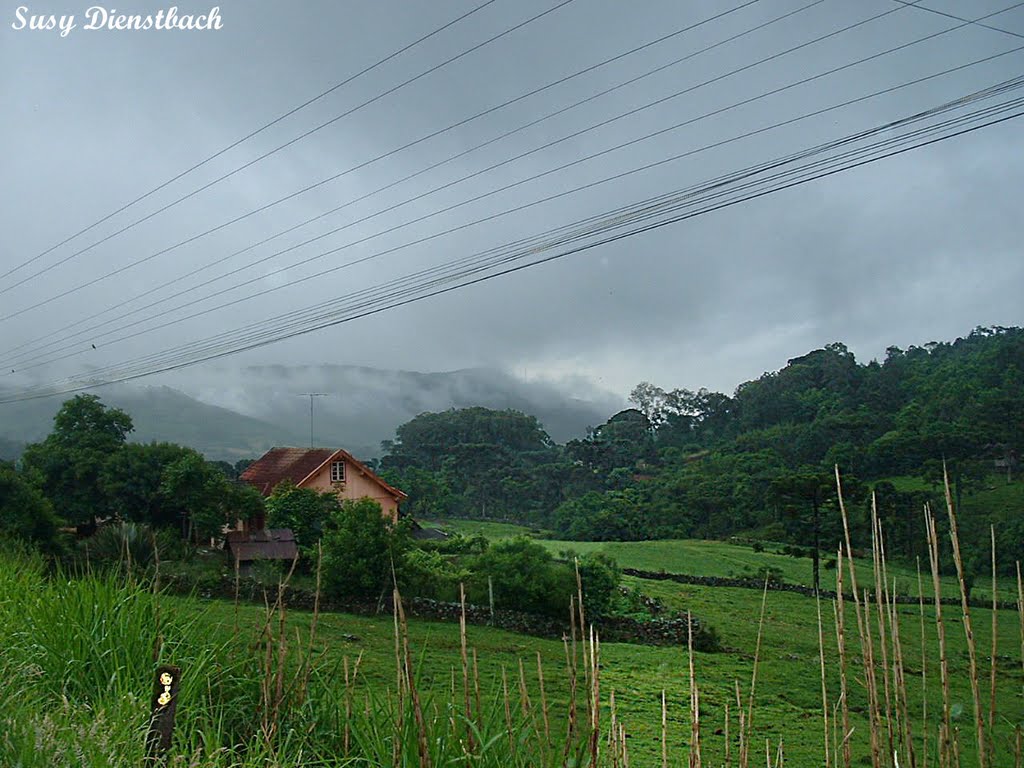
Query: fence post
[[490, 597], [162, 707]]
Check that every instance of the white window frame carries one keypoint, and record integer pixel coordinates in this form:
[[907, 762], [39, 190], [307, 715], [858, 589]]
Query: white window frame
[[337, 471]]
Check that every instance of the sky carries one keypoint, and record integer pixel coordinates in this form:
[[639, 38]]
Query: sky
[[920, 247]]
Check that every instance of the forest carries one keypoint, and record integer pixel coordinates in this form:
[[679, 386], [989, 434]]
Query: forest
[[760, 462]]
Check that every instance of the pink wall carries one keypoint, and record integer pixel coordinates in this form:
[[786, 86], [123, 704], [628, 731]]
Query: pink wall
[[356, 486]]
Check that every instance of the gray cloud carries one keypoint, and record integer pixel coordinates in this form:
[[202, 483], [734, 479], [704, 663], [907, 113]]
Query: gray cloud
[[920, 247]]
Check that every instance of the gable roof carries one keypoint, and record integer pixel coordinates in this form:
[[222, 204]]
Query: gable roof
[[301, 464], [280, 464]]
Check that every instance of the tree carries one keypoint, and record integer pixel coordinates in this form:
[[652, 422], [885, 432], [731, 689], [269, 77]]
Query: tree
[[70, 460], [25, 513], [361, 550], [131, 480], [303, 510], [200, 491], [803, 494]]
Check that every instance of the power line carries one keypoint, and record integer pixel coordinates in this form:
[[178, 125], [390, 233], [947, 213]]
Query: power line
[[468, 278], [252, 134], [917, 4], [37, 355], [289, 143], [408, 145]]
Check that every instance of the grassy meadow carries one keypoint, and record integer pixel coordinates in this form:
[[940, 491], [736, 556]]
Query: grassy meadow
[[268, 687], [698, 557]]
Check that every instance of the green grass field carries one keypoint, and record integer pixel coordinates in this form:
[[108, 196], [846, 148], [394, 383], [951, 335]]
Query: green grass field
[[697, 557], [789, 694]]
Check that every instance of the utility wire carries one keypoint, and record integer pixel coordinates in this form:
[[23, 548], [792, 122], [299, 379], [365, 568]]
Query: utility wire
[[248, 136], [916, 4], [469, 278], [23, 363], [61, 336], [408, 145], [289, 143], [37, 353]]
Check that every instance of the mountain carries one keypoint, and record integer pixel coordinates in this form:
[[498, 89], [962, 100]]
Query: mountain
[[240, 413], [158, 413], [359, 407]]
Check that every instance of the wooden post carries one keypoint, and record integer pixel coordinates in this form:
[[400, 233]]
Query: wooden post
[[162, 707], [490, 597]]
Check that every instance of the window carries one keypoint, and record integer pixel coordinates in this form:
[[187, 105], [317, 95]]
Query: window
[[337, 471]]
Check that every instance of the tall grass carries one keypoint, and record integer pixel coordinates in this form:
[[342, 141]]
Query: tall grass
[[77, 656]]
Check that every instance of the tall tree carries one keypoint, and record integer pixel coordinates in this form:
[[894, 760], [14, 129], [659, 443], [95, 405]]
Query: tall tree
[[70, 460]]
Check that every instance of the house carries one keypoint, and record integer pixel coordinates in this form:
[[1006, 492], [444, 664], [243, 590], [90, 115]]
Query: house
[[321, 469]]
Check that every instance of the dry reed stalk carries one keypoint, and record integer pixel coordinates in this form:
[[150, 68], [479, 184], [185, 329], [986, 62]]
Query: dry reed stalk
[[508, 709], [1017, 751], [840, 619], [900, 683], [625, 746], [465, 668], [410, 683], [979, 717], [570, 664], [863, 619], [753, 677], [524, 696], [695, 755], [664, 729], [995, 635], [743, 736], [871, 682], [728, 751], [945, 747], [307, 666], [924, 670], [1020, 612], [476, 684], [613, 730], [595, 695], [543, 701], [400, 689], [881, 584], [824, 687], [582, 621], [346, 736]]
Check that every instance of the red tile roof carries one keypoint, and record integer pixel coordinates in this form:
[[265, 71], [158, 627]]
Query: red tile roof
[[279, 464], [297, 464]]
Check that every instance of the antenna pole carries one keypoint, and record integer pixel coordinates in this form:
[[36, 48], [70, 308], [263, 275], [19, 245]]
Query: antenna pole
[[311, 395]]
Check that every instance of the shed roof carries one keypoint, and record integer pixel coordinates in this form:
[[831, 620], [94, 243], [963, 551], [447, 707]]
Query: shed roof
[[267, 544]]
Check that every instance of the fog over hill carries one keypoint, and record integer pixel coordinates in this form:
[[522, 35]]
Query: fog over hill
[[239, 413]]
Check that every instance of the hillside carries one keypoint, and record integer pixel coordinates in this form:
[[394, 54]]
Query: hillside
[[162, 414], [239, 414]]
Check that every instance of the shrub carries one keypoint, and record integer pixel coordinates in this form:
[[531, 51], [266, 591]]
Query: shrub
[[525, 577], [362, 550]]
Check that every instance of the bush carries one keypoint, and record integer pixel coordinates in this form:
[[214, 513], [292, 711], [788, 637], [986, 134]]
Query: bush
[[525, 578], [134, 544], [362, 550], [600, 576], [25, 513]]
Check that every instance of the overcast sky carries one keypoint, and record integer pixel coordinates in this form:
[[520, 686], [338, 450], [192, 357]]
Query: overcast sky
[[920, 247]]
